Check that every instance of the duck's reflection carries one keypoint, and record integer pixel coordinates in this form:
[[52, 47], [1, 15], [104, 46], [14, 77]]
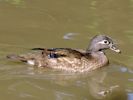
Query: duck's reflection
[[99, 84]]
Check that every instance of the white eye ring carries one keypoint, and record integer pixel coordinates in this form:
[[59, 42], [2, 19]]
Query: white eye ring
[[104, 42]]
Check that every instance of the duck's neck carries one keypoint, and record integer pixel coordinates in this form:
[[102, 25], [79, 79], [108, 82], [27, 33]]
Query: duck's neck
[[99, 56], [94, 51]]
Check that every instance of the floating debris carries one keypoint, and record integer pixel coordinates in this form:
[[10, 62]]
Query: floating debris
[[69, 36]]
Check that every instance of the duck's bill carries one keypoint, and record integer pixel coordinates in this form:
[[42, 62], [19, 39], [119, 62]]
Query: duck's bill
[[115, 49]]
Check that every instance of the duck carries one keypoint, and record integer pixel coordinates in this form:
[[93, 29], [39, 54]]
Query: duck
[[69, 59]]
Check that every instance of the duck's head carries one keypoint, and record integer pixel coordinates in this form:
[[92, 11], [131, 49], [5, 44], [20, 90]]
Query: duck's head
[[102, 42]]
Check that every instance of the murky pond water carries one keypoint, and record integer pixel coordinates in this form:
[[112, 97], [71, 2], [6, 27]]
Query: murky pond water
[[25, 24]]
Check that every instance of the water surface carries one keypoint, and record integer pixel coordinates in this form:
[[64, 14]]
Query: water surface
[[25, 24]]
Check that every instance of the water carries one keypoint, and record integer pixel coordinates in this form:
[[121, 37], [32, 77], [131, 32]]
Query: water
[[62, 23]]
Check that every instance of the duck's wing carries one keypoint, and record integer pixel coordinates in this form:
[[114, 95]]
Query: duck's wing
[[45, 54], [60, 52]]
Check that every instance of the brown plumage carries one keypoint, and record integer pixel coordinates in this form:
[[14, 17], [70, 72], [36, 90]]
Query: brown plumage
[[72, 60]]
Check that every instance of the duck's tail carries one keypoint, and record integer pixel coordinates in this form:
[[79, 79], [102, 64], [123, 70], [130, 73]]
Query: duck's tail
[[16, 58]]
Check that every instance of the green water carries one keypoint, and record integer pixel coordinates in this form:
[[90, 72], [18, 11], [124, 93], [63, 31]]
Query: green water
[[25, 24]]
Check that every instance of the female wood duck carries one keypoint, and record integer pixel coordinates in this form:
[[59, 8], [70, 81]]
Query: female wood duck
[[72, 60]]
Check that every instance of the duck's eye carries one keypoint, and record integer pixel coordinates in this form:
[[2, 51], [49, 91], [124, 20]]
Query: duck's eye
[[106, 42]]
